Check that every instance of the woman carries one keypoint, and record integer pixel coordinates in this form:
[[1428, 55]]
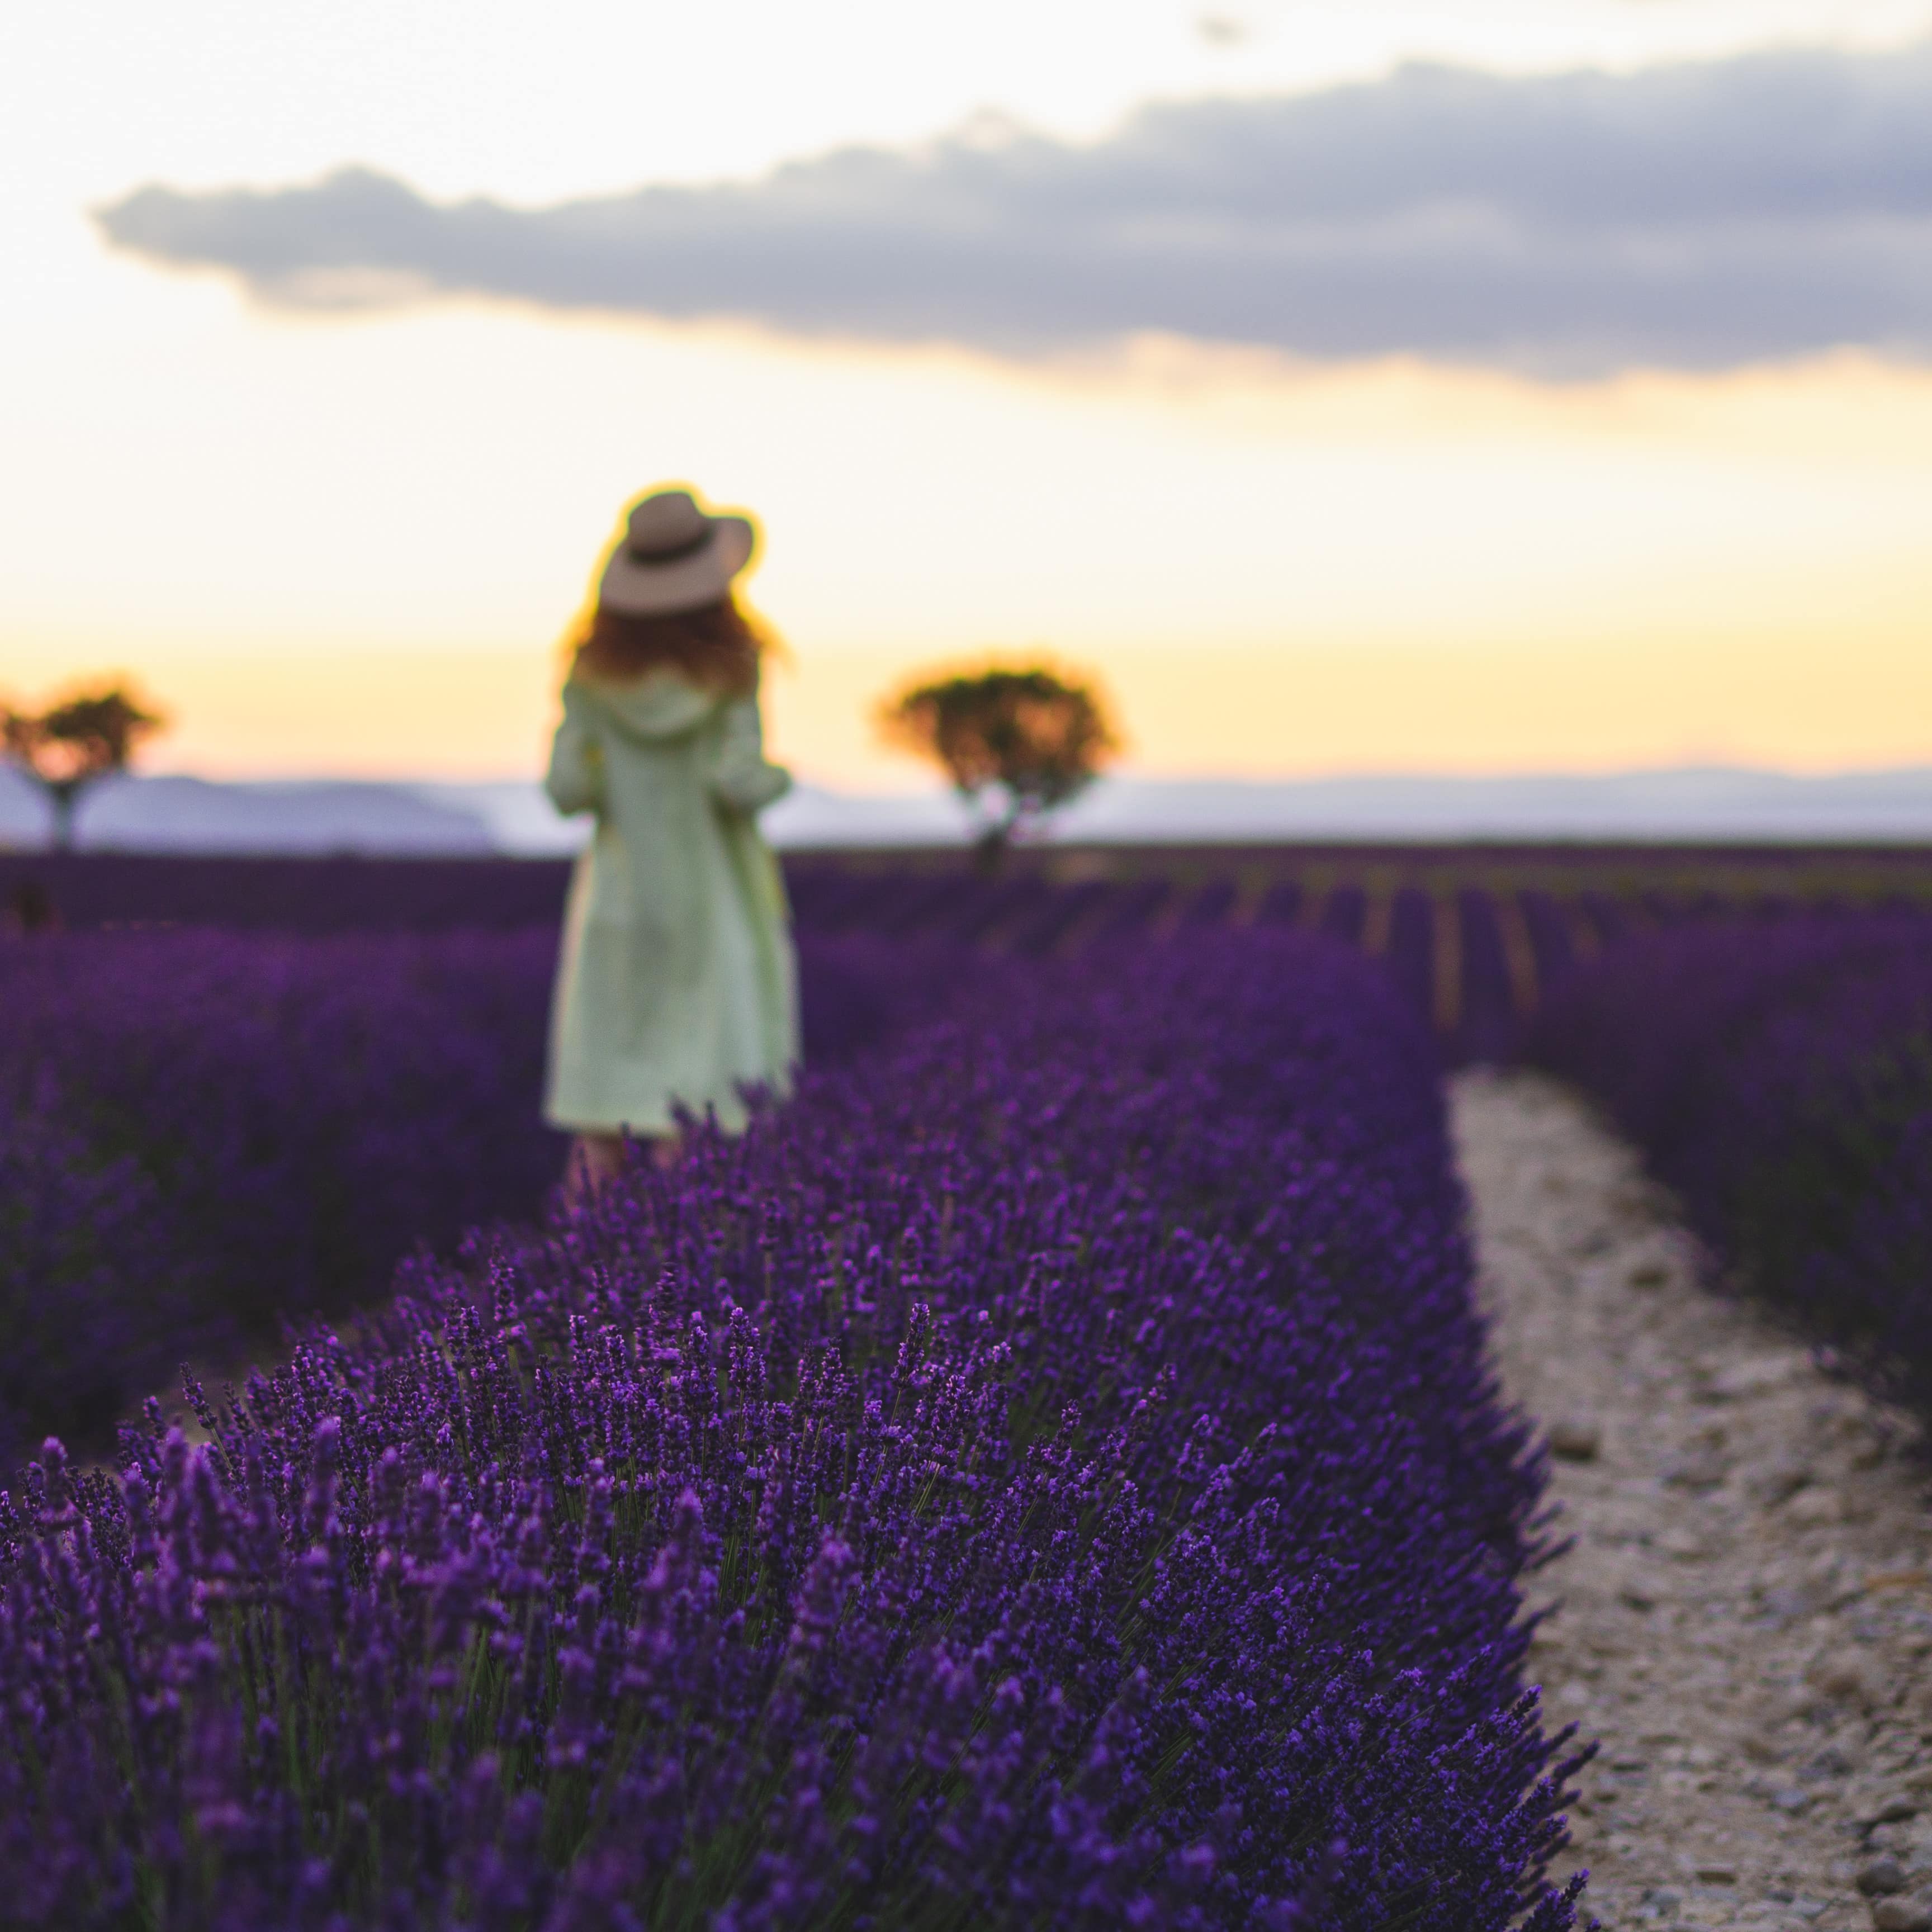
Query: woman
[[677, 986]]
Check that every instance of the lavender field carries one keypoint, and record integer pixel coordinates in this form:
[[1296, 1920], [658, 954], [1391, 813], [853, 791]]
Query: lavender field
[[1476, 936], [1048, 1474]]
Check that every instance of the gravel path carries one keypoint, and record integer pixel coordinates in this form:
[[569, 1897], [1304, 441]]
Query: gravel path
[[1746, 1615]]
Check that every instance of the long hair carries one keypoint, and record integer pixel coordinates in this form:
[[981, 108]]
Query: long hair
[[718, 645]]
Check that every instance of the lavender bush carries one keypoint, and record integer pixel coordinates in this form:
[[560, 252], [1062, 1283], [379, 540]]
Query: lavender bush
[[1045, 1476], [286, 1116], [76, 1243], [1778, 1073]]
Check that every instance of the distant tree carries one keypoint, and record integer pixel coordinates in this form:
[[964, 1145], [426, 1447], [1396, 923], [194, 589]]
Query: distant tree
[[1016, 744], [64, 750]]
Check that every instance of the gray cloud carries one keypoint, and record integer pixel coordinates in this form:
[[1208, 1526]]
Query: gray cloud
[[1698, 216]]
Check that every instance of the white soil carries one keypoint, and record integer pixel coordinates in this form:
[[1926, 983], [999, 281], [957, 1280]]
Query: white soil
[[1745, 1617]]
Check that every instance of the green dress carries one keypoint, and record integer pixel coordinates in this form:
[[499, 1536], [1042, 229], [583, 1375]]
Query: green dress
[[677, 984]]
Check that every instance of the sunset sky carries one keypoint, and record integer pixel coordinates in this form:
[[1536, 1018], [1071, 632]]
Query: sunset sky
[[1539, 385]]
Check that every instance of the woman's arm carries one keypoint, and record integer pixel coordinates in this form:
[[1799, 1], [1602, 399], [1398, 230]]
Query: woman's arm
[[575, 779], [741, 779]]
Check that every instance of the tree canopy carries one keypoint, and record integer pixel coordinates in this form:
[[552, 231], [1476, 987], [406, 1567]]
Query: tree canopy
[[1032, 737]]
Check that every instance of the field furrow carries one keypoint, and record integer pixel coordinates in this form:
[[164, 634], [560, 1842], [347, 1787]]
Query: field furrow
[[1743, 1618]]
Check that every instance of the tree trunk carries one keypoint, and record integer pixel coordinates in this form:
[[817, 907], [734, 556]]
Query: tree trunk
[[63, 794], [989, 851]]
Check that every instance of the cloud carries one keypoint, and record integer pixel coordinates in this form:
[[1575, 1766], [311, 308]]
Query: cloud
[[1697, 216]]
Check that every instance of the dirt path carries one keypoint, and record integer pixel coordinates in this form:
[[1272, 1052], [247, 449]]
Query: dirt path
[[1746, 1619]]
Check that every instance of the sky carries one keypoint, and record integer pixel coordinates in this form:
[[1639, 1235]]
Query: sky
[[1361, 387]]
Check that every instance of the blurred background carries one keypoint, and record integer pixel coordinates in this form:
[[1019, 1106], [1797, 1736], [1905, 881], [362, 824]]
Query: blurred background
[[1439, 418]]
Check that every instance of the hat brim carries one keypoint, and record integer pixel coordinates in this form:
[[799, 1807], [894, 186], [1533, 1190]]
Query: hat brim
[[636, 589]]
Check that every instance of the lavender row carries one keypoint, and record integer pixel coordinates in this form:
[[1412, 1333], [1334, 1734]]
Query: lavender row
[[1045, 1476], [1779, 1076], [203, 1133]]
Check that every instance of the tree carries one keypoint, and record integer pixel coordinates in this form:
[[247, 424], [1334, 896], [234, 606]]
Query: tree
[[65, 749], [1029, 739]]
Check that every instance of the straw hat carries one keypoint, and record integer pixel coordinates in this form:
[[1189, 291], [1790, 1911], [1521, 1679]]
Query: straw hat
[[674, 557]]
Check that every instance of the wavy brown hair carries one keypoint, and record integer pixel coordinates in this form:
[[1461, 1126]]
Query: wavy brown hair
[[718, 645]]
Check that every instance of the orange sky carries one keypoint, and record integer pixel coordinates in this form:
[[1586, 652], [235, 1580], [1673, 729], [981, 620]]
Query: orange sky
[[1275, 570]]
